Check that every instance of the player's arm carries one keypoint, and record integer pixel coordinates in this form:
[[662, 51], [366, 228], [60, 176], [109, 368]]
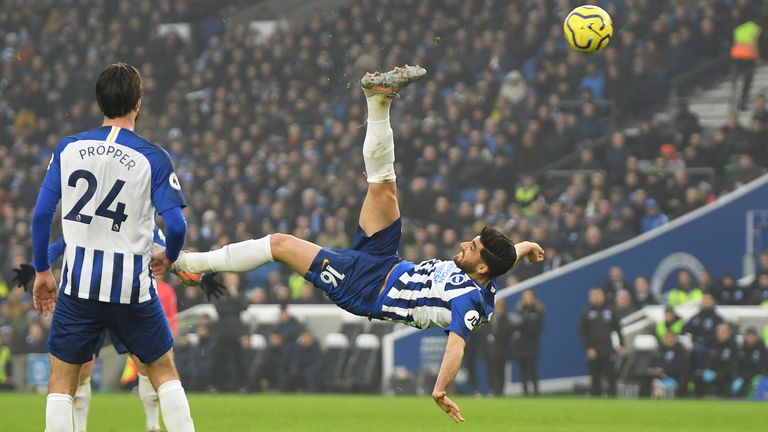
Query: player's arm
[[175, 231], [454, 352], [44, 291], [532, 250]]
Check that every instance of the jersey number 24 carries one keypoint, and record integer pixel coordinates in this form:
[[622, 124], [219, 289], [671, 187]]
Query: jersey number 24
[[117, 216]]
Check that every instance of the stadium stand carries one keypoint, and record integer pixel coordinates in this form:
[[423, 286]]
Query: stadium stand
[[264, 127]]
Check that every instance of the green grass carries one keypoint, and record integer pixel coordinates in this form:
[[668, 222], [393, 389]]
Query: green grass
[[233, 413]]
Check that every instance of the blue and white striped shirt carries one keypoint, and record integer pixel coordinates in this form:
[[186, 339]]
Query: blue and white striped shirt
[[111, 182], [435, 293]]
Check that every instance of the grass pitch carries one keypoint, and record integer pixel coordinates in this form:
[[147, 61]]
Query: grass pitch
[[234, 413]]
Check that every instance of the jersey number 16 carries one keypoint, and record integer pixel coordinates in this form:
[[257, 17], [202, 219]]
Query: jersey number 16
[[117, 216]]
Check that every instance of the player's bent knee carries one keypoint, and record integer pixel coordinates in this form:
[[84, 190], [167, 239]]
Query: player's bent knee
[[278, 242]]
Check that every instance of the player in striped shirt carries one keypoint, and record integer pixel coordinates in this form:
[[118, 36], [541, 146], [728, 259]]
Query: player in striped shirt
[[111, 182], [371, 279], [82, 400]]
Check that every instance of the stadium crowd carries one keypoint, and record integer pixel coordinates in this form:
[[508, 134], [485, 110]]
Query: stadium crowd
[[714, 363], [265, 129]]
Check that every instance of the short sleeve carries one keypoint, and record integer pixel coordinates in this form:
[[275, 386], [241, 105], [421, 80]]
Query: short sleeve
[[166, 189], [52, 180], [465, 315]]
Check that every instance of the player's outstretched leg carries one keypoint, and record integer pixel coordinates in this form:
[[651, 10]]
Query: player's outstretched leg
[[380, 208], [82, 401]]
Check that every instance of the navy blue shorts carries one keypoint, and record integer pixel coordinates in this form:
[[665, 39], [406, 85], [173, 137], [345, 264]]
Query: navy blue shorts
[[78, 325], [113, 340], [352, 278]]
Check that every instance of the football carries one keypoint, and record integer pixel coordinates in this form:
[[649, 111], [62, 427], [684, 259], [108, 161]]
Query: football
[[588, 29]]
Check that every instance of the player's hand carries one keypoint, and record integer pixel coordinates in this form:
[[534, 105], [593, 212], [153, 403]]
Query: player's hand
[[25, 273], [211, 286], [448, 406], [159, 264], [536, 253], [44, 292]]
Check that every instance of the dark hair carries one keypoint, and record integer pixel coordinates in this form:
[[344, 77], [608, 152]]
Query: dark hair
[[118, 89], [498, 251]]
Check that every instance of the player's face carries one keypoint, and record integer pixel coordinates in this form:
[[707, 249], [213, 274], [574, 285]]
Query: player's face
[[468, 258]]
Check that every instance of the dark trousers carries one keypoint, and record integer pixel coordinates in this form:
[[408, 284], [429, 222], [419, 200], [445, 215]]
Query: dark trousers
[[599, 368], [745, 69], [229, 360], [529, 373], [494, 366]]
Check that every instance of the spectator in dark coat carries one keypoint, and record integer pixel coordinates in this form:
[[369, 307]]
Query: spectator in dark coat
[[195, 356], [615, 283], [669, 370], [730, 293], [229, 351], [753, 362], [759, 293], [306, 364], [719, 370], [624, 306], [270, 371], [525, 340], [597, 324], [496, 350], [702, 326], [642, 295]]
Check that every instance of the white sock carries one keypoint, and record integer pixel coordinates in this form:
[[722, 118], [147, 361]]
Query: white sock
[[58, 413], [379, 144], [175, 407], [81, 405], [149, 398], [235, 257]]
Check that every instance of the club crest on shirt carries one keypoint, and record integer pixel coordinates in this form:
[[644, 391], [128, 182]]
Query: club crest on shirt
[[459, 279]]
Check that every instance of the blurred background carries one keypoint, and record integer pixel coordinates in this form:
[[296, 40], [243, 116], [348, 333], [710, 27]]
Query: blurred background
[[657, 145]]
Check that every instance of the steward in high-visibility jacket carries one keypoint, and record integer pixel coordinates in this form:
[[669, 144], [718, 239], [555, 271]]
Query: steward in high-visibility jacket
[[746, 41], [745, 53]]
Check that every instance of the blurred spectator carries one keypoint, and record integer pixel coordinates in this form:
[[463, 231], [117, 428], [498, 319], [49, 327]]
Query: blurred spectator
[[653, 218], [669, 370], [6, 383], [195, 355], [705, 283], [745, 171], [753, 362], [616, 283], [624, 306], [229, 351], [498, 347], [759, 292], [269, 372], [642, 295], [306, 365], [729, 293], [597, 324], [720, 367], [672, 323], [685, 291], [34, 340], [525, 340], [702, 325]]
